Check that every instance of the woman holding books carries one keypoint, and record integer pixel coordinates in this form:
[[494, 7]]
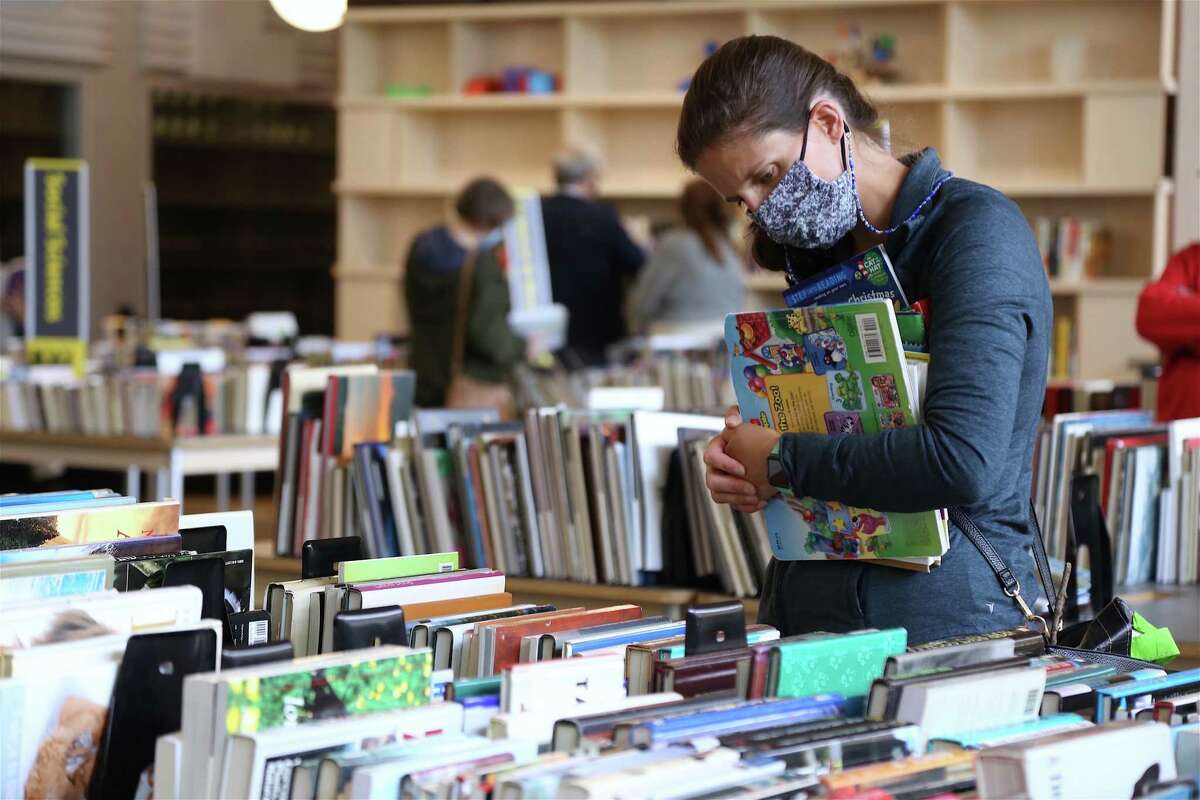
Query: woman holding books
[[780, 132]]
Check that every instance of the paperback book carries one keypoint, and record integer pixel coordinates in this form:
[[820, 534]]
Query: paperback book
[[832, 370]]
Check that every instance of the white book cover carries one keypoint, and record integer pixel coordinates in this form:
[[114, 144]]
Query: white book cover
[[1065, 765], [662, 780], [260, 764], [973, 702], [168, 758], [382, 781], [562, 685], [397, 463], [112, 612], [655, 436], [539, 724]]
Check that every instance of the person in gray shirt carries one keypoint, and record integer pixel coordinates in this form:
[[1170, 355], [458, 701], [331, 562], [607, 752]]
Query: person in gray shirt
[[695, 273]]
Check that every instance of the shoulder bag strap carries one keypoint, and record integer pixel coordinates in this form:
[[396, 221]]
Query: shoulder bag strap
[[466, 280], [1008, 581]]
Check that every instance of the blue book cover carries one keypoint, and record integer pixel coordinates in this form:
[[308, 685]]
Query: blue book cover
[[632, 637], [1113, 699], [752, 715], [67, 504], [66, 495], [866, 276], [1008, 734]]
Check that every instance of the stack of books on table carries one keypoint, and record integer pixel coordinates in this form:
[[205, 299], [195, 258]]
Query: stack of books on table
[[1147, 478], [494, 699], [109, 694], [689, 378], [184, 398], [65, 545]]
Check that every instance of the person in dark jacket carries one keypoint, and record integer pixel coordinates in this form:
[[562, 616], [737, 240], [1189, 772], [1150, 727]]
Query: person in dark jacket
[[778, 130], [592, 259], [431, 285]]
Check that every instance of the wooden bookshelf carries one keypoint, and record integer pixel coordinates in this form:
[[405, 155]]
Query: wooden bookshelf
[[977, 80]]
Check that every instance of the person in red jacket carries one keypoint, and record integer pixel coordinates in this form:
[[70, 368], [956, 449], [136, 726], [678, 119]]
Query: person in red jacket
[[1169, 316]]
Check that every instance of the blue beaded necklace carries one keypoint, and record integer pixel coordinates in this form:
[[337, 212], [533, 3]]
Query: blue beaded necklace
[[858, 203]]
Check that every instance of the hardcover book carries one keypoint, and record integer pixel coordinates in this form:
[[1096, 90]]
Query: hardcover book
[[836, 370], [843, 664]]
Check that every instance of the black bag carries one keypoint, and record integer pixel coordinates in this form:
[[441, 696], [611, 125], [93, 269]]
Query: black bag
[[1105, 639]]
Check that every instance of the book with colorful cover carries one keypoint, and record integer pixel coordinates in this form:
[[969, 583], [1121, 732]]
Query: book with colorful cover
[[89, 525], [364, 408], [348, 689], [836, 369], [866, 276]]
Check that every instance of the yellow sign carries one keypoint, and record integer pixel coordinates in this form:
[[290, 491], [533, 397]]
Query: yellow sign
[[57, 350]]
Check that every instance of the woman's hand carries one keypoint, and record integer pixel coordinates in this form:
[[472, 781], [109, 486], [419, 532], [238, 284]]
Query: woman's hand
[[726, 459]]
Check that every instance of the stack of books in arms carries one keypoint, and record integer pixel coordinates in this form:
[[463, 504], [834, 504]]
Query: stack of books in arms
[[143, 401], [846, 358], [122, 694], [1147, 478]]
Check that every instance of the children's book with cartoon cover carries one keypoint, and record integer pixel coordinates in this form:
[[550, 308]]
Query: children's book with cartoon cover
[[830, 369]]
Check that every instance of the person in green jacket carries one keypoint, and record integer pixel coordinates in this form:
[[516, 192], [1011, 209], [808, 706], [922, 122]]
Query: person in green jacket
[[431, 285]]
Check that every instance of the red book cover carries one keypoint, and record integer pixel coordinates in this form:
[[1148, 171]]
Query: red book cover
[[330, 415], [508, 636], [703, 674], [302, 498]]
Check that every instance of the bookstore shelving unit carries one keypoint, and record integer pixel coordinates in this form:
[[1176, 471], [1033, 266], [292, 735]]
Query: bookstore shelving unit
[[984, 82]]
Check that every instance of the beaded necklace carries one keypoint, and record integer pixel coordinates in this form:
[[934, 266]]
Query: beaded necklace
[[858, 203]]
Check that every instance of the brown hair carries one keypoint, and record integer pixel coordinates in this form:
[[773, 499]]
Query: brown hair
[[484, 203], [757, 84], [706, 212]]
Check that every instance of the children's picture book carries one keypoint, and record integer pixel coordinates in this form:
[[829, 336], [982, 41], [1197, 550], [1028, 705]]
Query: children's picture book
[[836, 369], [866, 276]]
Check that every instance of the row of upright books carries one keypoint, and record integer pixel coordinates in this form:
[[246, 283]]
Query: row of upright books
[[145, 402], [1143, 476], [1073, 248], [561, 494]]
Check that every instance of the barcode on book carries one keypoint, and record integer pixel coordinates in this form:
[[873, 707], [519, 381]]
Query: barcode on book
[[258, 632], [446, 566], [871, 338], [1033, 703]]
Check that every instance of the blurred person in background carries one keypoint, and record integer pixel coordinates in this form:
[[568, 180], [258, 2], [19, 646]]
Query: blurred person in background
[[592, 258], [433, 278], [1169, 316], [695, 273]]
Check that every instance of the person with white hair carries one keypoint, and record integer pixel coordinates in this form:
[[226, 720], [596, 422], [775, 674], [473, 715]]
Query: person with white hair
[[592, 258]]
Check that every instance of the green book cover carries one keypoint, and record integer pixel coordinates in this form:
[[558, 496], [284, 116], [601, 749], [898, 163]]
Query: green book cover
[[378, 569], [475, 687], [342, 690], [843, 663]]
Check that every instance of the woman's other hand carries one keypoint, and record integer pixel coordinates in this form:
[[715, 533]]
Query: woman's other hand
[[725, 475]]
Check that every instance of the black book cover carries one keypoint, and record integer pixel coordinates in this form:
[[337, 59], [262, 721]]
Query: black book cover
[[147, 703]]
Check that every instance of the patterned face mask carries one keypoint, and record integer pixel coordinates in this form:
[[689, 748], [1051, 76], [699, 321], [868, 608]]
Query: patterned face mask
[[806, 211]]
